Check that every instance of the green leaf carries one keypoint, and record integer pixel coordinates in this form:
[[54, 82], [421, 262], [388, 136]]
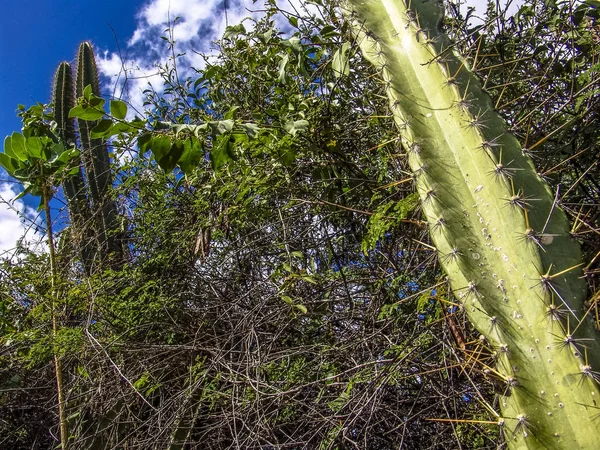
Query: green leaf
[[86, 113], [200, 129], [122, 127], [53, 153], [209, 73], [179, 127], [222, 152], [293, 43], [282, 78], [287, 155], [300, 307], [102, 130], [62, 156], [87, 92], [142, 381], [22, 175], [34, 146], [328, 31], [76, 111], [30, 189], [138, 123], [234, 30], [220, 127], [294, 126], [18, 146], [266, 36], [309, 278], [293, 21], [96, 102], [287, 299], [191, 156], [169, 162], [8, 147], [385, 217], [144, 141], [118, 109], [340, 63], [231, 114], [251, 129], [161, 149], [338, 403], [9, 164]]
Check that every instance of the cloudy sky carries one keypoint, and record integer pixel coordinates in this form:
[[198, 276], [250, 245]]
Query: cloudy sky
[[36, 35]]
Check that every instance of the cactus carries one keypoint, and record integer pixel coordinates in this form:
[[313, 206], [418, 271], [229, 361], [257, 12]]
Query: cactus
[[503, 240], [96, 161], [74, 188]]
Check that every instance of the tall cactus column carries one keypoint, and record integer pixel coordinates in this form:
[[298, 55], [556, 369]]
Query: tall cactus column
[[63, 100], [502, 240], [97, 161]]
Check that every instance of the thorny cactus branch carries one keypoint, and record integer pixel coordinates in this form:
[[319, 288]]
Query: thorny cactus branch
[[503, 240]]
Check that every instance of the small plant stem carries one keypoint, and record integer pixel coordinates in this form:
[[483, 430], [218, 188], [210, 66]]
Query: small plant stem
[[62, 416]]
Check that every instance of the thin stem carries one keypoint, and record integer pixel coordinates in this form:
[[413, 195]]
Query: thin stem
[[62, 416]]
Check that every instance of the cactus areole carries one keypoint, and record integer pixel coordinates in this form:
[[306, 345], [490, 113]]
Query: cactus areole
[[501, 237]]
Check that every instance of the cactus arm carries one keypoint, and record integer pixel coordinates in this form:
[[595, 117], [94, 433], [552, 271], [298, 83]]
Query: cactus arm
[[96, 160], [503, 242], [63, 100], [74, 188]]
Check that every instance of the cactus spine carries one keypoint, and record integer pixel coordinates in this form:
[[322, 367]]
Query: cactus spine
[[503, 241], [96, 161], [74, 188]]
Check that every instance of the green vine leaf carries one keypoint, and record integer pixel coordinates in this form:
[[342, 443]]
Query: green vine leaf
[[340, 63], [118, 109], [191, 156], [282, 77], [86, 113], [294, 126], [222, 152]]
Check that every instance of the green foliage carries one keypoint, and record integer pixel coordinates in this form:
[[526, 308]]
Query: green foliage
[[385, 217], [281, 288], [35, 158], [340, 63]]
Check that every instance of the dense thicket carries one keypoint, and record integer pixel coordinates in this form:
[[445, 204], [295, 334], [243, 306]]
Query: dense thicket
[[284, 293]]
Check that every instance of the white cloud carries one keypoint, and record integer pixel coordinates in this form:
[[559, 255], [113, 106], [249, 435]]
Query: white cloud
[[194, 25], [191, 17], [127, 78], [17, 220]]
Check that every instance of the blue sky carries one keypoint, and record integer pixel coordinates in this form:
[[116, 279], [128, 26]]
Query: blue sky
[[36, 35]]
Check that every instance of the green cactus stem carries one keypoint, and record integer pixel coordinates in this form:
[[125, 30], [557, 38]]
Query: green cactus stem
[[502, 239], [74, 188], [97, 162]]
